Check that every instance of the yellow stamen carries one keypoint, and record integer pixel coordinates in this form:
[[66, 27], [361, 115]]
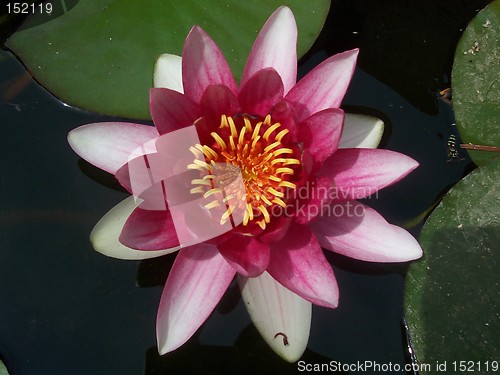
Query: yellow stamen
[[256, 159], [234, 133], [255, 140], [270, 130], [200, 181], [279, 160], [291, 161], [264, 211], [196, 153], [212, 204], [201, 163], [271, 146], [223, 122], [219, 140], [283, 151], [226, 215], [197, 167], [266, 201], [211, 192], [279, 202], [267, 120], [196, 190], [242, 135], [281, 134], [250, 211], [209, 153], [228, 198], [276, 193], [284, 170], [287, 184], [248, 124], [262, 224], [256, 130]]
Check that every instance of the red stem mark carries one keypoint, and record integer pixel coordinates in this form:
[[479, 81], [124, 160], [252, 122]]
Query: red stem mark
[[285, 338]]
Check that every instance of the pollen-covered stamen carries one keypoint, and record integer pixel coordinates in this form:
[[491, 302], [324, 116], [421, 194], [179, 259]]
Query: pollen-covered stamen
[[254, 152]]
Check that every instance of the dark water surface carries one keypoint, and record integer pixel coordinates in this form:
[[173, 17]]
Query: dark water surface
[[65, 309]]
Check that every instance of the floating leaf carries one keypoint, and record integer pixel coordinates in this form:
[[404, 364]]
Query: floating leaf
[[452, 295], [100, 54], [476, 82], [3, 369]]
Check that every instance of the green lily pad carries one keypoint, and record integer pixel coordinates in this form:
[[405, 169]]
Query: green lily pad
[[100, 54], [476, 82], [3, 369], [452, 296]]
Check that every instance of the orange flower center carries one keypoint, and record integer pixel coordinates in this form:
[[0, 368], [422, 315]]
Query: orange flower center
[[250, 163]]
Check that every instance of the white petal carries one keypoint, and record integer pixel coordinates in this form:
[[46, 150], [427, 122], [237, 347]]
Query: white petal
[[108, 145], [361, 131], [168, 72], [104, 236], [281, 316]]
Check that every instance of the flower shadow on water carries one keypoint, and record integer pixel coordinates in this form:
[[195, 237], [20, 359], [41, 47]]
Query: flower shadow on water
[[249, 348]]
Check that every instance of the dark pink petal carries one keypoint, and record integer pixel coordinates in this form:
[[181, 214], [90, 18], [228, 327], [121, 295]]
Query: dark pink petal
[[216, 101], [324, 86], [358, 231], [321, 133], [261, 92], [171, 110], [275, 47], [299, 264], [360, 172], [108, 145], [149, 230], [203, 65], [247, 255], [196, 283], [283, 113], [276, 229], [312, 198]]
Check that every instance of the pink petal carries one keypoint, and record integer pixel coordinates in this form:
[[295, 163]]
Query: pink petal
[[203, 64], [149, 230], [196, 283], [247, 255], [283, 113], [324, 86], [360, 172], [261, 92], [106, 233], [321, 133], [107, 145], [358, 231], [171, 110], [312, 198], [218, 100], [274, 310], [275, 47], [299, 264]]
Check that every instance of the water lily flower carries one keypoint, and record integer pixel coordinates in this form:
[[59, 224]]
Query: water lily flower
[[302, 162]]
